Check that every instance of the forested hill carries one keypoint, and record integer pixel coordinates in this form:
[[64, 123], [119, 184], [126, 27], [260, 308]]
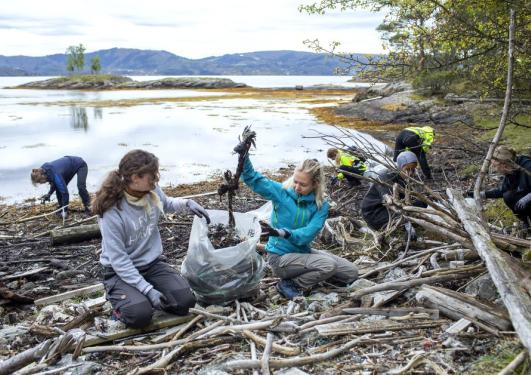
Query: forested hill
[[150, 62]]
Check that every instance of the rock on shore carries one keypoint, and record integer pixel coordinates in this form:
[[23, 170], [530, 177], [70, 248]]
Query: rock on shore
[[108, 82], [398, 103]]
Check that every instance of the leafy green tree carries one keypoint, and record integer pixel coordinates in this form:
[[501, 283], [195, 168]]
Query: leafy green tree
[[75, 58], [443, 41], [95, 65]]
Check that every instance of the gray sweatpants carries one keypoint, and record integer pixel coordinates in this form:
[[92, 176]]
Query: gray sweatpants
[[312, 268]]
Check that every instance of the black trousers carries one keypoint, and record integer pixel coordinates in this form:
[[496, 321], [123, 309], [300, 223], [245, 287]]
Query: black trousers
[[133, 308], [407, 140], [353, 181], [376, 218], [82, 173], [510, 198]]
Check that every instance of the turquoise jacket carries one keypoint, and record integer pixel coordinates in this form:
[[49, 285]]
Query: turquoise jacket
[[296, 213]]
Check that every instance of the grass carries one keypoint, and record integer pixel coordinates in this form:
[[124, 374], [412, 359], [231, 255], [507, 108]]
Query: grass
[[517, 137], [497, 212], [470, 170], [498, 359]]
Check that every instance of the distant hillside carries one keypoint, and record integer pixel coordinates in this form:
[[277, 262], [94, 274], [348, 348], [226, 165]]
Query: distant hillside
[[149, 62]]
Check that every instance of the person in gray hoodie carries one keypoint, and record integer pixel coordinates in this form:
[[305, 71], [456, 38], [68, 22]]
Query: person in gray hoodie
[[136, 277]]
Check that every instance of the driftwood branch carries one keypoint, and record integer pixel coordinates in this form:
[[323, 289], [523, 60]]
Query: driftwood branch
[[506, 272]]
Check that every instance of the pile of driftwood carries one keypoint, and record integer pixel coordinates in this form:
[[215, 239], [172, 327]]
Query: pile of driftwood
[[428, 306]]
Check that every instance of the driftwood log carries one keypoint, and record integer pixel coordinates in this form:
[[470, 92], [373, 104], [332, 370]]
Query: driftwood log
[[457, 305], [507, 274], [75, 234]]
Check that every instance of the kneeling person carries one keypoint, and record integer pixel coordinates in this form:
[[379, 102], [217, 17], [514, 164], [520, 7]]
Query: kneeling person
[[299, 213], [136, 278], [348, 163], [373, 210]]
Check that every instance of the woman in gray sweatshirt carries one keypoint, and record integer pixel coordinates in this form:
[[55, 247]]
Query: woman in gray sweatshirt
[[137, 280]]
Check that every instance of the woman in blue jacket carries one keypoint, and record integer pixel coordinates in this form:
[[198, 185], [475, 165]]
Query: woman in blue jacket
[[299, 213]]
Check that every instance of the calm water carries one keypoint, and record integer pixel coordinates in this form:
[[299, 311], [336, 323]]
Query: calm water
[[193, 140]]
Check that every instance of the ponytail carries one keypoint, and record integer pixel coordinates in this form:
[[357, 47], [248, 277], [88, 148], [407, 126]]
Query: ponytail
[[112, 190], [109, 194]]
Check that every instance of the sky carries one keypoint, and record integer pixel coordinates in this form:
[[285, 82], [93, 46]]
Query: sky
[[192, 29]]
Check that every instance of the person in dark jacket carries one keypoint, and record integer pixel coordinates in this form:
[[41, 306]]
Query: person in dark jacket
[[58, 174], [417, 140], [373, 210], [515, 188]]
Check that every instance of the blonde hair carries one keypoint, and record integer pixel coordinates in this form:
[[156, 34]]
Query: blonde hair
[[315, 170]]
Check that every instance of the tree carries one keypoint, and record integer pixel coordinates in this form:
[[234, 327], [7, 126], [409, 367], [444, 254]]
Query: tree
[[95, 65], [75, 58], [440, 41]]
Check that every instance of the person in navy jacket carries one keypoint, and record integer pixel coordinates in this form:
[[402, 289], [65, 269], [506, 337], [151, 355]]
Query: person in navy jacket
[[58, 174]]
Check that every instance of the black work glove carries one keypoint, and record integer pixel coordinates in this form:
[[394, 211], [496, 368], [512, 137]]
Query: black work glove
[[334, 181], [470, 194], [269, 231], [198, 210], [45, 198], [246, 140]]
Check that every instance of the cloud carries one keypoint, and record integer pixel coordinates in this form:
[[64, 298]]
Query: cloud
[[191, 29]]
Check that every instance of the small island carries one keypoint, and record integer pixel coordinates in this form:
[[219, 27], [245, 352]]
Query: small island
[[113, 82]]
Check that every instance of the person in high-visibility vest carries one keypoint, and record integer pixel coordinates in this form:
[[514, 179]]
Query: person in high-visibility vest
[[349, 163], [417, 140]]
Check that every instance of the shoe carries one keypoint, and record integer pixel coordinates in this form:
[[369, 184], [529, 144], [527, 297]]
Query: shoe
[[288, 289]]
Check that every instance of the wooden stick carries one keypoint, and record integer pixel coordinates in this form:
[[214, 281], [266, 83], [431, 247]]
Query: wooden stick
[[165, 360], [267, 354], [511, 367], [400, 285], [291, 362], [70, 294], [383, 268], [276, 347], [506, 273], [391, 312]]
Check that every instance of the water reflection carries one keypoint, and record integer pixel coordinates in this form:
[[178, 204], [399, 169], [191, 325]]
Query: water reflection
[[193, 140], [79, 118], [98, 113]]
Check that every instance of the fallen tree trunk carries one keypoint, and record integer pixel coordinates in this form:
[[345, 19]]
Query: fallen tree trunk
[[25, 358], [458, 305], [507, 274], [75, 234]]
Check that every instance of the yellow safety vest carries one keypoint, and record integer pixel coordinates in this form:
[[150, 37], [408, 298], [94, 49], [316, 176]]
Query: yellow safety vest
[[426, 134], [349, 160]]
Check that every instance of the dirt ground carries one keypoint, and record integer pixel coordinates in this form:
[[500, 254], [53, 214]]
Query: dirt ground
[[26, 246]]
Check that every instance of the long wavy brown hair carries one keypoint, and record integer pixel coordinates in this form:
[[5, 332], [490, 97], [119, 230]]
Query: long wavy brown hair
[[112, 189]]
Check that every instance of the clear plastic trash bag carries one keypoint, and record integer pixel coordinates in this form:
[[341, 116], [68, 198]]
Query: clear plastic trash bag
[[219, 276]]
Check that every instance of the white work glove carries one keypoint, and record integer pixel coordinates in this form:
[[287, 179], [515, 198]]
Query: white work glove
[[523, 202], [156, 298]]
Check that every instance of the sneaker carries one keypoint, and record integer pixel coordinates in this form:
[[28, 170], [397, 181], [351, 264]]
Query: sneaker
[[288, 289]]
